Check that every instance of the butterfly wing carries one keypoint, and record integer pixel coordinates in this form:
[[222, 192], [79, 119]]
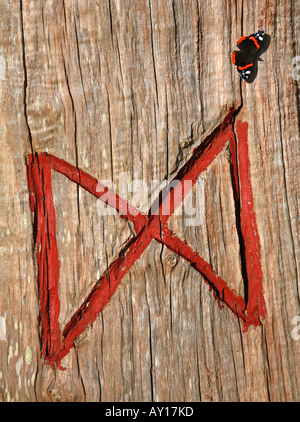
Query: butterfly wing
[[243, 62], [252, 43]]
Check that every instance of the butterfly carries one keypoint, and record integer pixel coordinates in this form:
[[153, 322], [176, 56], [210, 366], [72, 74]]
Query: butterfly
[[244, 59]]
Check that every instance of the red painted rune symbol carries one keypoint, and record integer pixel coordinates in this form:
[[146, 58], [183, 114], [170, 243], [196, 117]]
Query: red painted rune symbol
[[148, 227]]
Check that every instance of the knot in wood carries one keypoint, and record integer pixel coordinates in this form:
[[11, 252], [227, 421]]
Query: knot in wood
[[171, 259]]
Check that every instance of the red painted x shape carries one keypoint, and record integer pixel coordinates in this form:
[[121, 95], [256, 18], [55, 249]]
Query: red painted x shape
[[147, 227]]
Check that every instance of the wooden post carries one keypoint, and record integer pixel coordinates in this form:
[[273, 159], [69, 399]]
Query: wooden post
[[129, 94]]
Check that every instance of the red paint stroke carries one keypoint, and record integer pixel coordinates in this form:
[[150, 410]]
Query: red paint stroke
[[256, 303], [41, 203], [147, 227]]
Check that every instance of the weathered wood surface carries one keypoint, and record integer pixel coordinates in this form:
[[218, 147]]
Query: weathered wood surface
[[133, 86]]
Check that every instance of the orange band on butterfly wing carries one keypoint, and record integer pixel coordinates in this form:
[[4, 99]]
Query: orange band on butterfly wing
[[255, 42], [245, 67], [241, 39], [233, 57]]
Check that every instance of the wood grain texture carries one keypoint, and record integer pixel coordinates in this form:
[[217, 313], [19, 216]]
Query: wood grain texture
[[115, 86]]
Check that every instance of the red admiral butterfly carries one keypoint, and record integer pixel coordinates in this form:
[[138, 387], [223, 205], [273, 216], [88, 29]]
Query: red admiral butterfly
[[249, 46]]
